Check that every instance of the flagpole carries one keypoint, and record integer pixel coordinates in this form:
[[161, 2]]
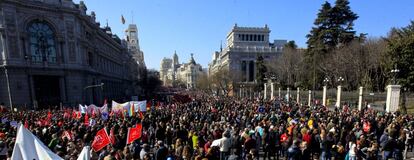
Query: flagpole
[[8, 88], [127, 136]]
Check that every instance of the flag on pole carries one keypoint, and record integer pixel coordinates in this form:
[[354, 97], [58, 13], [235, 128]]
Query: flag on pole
[[29, 147], [86, 120], [84, 155], [122, 19], [93, 114], [26, 124], [49, 116], [68, 135], [79, 115], [141, 116], [134, 133], [101, 140], [82, 109]]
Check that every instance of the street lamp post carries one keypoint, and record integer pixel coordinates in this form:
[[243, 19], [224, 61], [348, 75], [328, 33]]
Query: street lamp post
[[394, 73], [393, 93], [93, 86], [8, 87], [325, 87], [338, 98]]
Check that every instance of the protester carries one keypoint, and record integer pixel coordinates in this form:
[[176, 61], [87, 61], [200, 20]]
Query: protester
[[189, 130]]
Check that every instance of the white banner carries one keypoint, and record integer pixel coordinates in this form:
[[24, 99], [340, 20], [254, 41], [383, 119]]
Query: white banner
[[116, 107], [140, 106], [29, 147]]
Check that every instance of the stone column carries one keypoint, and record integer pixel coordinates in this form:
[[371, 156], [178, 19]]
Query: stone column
[[241, 92], [393, 98], [288, 94], [272, 90], [279, 91], [265, 91], [324, 95], [250, 92], [247, 71], [310, 98], [361, 90], [298, 95], [338, 97]]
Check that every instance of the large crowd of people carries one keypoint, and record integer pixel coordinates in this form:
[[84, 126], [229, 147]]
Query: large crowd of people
[[225, 128]]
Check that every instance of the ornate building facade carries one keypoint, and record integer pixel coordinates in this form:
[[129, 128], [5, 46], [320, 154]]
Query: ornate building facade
[[244, 45], [173, 73], [52, 52]]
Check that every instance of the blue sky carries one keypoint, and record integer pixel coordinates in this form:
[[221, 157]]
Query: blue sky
[[198, 26]]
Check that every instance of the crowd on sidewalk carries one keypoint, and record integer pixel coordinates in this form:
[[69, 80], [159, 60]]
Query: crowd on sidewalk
[[224, 128]]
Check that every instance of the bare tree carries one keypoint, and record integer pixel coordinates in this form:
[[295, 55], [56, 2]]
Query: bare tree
[[288, 67], [223, 80]]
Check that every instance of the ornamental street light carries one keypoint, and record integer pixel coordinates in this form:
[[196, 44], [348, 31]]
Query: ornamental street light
[[326, 81], [93, 86], [394, 73]]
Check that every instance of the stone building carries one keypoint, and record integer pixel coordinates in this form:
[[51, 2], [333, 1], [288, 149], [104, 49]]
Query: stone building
[[173, 73], [53, 52], [244, 45], [138, 73]]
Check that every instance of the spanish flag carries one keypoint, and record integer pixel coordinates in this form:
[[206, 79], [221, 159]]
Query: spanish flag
[[122, 19]]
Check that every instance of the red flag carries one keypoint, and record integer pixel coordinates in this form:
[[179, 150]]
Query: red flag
[[141, 116], [60, 123], [49, 115], [66, 114], [134, 133], [283, 137], [26, 124], [86, 120], [148, 106], [74, 114], [44, 122], [112, 135], [93, 113], [79, 115], [101, 140], [67, 134]]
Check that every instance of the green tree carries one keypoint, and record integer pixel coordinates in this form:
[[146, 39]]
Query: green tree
[[343, 22], [261, 70], [332, 28], [400, 53], [320, 38], [291, 45]]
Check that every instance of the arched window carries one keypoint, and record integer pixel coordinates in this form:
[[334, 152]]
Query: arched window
[[41, 42]]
